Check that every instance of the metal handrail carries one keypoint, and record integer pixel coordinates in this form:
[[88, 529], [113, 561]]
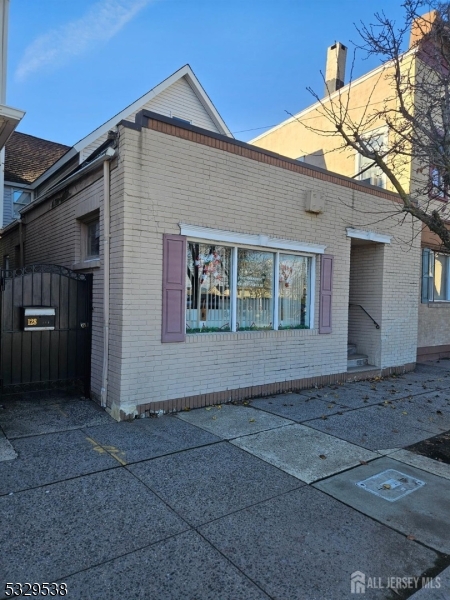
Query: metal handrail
[[370, 316]]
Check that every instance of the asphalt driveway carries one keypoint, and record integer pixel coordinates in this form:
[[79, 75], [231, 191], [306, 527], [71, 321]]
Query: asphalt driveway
[[297, 496]]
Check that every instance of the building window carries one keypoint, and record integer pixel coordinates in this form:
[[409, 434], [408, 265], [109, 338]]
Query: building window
[[293, 277], [20, 199], [435, 276], [231, 288], [368, 172], [208, 288], [92, 240], [181, 120], [438, 185]]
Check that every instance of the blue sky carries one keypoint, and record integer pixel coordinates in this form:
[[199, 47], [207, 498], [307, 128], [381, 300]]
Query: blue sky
[[74, 64]]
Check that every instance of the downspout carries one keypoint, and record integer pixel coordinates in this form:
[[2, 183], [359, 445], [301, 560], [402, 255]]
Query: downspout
[[106, 277], [21, 250]]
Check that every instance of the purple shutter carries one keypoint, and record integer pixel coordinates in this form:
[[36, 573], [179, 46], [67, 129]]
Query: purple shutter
[[326, 293], [174, 289]]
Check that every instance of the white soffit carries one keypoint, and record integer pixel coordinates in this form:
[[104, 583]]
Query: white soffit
[[249, 239], [9, 119], [370, 236]]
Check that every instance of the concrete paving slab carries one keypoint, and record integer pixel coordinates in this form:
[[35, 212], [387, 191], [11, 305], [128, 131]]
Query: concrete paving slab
[[297, 407], [51, 532], [229, 421], [422, 462], [374, 427], [52, 457], [396, 388], [437, 398], [185, 566], [7, 452], [22, 419], [347, 396], [142, 439], [429, 415], [306, 545], [437, 589], [208, 483], [303, 452], [422, 514]]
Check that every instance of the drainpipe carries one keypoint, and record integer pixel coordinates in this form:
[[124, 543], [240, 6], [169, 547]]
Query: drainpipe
[[106, 276], [21, 252]]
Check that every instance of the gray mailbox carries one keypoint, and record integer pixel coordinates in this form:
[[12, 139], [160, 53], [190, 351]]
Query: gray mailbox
[[38, 318]]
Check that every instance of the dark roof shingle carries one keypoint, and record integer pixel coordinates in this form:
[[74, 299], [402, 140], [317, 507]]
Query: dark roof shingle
[[27, 157]]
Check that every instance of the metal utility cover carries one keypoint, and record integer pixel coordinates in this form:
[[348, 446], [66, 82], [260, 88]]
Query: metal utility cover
[[391, 485]]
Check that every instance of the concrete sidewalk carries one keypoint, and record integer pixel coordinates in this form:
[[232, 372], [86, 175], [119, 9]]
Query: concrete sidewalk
[[290, 497]]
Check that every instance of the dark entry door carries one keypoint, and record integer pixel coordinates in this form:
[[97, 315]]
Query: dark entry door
[[45, 329]]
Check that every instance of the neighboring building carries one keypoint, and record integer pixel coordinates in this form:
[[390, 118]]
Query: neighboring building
[[221, 271], [27, 158], [298, 137]]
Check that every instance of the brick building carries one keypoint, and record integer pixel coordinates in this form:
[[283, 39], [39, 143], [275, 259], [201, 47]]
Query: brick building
[[228, 269]]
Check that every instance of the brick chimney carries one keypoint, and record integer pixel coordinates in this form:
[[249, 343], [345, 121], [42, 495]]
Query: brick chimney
[[335, 67]]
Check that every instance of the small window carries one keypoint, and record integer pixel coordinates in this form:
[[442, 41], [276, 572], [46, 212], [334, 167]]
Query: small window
[[180, 120], [368, 171], [441, 277], [435, 276], [20, 199], [93, 240]]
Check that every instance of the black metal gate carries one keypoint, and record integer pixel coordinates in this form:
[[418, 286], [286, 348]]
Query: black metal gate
[[45, 329]]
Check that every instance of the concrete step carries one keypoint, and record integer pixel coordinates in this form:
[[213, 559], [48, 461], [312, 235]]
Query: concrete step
[[351, 349], [357, 360]]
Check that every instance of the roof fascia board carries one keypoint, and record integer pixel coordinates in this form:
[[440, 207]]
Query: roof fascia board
[[11, 113], [185, 71], [346, 87], [58, 164], [107, 155]]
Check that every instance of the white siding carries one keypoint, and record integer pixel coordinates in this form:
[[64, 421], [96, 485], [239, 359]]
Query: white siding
[[178, 100], [7, 205]]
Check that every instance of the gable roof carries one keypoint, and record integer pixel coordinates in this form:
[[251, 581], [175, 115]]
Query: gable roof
[[185, 72], [27, 157]]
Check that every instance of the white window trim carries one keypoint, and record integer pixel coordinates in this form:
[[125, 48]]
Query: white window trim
[[234, 270], [17, 187], [248, 239]]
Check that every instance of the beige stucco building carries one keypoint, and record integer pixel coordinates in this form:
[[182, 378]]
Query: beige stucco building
[[310, 137]]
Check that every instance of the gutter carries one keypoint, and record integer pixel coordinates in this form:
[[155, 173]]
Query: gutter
[[106, 156]]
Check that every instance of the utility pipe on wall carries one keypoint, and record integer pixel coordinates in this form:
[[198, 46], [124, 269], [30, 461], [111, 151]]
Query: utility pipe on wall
[[106, 277]]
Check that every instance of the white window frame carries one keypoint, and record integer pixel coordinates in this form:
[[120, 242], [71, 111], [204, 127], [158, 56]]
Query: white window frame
[[276, 246]]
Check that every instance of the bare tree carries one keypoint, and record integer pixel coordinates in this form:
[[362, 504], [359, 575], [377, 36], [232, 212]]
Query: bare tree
[[416, 112]]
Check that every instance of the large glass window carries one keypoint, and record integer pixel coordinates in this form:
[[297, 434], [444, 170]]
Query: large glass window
[[244, 289], [208, 288], [293, 292], [254, 290]]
